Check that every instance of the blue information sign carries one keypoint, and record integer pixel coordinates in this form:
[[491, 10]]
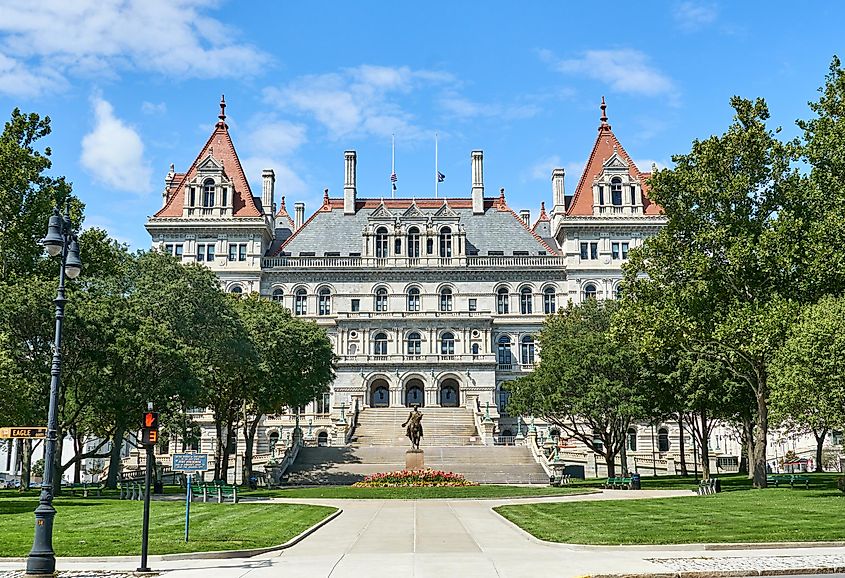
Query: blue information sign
[[190, 462]]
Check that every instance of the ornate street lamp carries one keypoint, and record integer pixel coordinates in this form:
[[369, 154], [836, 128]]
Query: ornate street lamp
[[60, 240]]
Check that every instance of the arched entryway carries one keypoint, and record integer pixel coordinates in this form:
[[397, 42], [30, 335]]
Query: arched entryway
[[449, 393], [414, 393], [380, 394], [322, 439]]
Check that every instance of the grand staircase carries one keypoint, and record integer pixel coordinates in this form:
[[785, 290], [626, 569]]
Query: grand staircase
[[450, 443]]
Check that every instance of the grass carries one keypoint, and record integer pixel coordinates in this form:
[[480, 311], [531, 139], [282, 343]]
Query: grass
[[108, 527], [771, 515], [478, 492]]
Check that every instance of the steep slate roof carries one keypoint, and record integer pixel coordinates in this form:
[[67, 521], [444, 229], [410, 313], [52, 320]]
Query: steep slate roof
[[220, 147], [543, 226], [497, 229], [605, 146]]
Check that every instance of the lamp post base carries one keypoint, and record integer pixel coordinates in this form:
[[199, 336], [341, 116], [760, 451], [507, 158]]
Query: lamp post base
[[42, 559]]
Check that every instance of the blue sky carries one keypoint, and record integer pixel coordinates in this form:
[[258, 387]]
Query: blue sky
[[133, 86]]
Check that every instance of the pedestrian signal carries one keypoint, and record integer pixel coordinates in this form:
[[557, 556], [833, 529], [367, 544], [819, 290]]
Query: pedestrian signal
[[149, 428]]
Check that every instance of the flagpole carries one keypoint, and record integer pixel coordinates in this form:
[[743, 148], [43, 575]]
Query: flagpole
[[436, 174], [392, 165]]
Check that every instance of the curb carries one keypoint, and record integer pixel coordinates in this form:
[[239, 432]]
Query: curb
[[725, 573], [215, 554]]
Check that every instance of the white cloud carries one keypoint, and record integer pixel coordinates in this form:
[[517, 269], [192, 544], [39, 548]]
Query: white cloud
[[53, 39], [153, 108], [645, 165], [113, 152], [358, 101], [694, 15], [20, 80], [542, 169], [288, 181], [626, 70], [464, 108], [277, 137]]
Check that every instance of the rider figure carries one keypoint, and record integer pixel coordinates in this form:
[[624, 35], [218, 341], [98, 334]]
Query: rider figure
[[413, 426]]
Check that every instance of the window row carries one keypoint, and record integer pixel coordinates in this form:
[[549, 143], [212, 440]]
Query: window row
[[590, 250], [662, 439], [590, 291], [526, 301], [616, 189], [207, 195], [413, 248], [504, 353], [205, 251]]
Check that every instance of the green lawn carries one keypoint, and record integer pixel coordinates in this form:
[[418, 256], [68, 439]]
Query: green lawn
[[730, 482], [771, 515], [482, 491], [108, 527]]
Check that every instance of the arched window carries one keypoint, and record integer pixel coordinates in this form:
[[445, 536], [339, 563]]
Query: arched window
[[414, 344], [278, 295], [504, 355], [549, 301], [324, 302], [589, 291], [447, 344], [381, 243], [300, 302], [413, 242], [663, 440], [475, 349], [527, 350], [526, 301], [380, 344], [381, 299], [274, 439], [445, 299], [413, 299], [208, 193], [502, 301], [237, 290], [616, 191], [445, 242], [631, 441], [618, 292]]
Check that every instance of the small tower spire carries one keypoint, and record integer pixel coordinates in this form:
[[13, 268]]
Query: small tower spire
[[543, 215], [603, 119], [222, 115], [283, 209]]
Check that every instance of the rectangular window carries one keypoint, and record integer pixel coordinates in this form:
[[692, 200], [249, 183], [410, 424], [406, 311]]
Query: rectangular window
[[614, 250], [397, 247], [601, 195], [168, 249], [356, 305], [242, 252], [594, 251], [178, 247], [200, 253], [584, 249], [633, 195], [624, 250], [429, 246], [209, 252], [193, 200], [225, 196], [233, 252], [473, 305]]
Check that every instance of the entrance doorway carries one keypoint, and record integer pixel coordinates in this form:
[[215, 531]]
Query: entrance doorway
[[381, 394], [449, 393], [414, 394]]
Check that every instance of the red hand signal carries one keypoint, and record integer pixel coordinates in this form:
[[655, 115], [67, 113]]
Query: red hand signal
[[149, 419]]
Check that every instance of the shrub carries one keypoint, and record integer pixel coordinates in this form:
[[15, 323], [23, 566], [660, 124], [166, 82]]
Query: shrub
[[414, 479]]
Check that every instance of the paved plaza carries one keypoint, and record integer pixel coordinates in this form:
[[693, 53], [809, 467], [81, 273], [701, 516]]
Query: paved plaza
[[441, 538]]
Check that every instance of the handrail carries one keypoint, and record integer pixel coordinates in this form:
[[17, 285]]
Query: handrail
[[539, 455], [286, 261], [353, 423]]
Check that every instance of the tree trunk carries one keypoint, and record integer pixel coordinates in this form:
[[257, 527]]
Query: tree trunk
[[610, 463], [748, 446], [761, 430], [114, 459], [250, 427], [78, 447], [819, 448], [702, 433], [26, 463], [218, 448], [682, 448]]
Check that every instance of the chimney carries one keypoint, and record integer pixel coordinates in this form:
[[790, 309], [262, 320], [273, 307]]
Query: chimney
[[268, 187], [299, 215], [525, 215], [477, 182], [558, 191], [350, 180]]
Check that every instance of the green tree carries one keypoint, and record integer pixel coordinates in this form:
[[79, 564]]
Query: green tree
[[718, 281], [808, 373], [589, 383]]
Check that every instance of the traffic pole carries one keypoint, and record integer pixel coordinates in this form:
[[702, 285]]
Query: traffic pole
[[145, 530], [188, 507]]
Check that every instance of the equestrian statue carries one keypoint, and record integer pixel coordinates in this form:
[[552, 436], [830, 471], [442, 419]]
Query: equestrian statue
[[413, 427]]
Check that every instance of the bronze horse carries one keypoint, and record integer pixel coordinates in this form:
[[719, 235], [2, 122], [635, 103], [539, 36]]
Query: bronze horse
[[413, 427]]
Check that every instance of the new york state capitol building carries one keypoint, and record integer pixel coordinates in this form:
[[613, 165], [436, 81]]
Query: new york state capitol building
[[429, 301]]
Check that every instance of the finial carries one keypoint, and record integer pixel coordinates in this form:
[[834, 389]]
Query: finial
[[502, 194], [283, 204], [603, 114], [222, 115], [325, 196], [543, 214]]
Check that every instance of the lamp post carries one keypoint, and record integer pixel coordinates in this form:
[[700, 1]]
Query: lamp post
[[60, 240]]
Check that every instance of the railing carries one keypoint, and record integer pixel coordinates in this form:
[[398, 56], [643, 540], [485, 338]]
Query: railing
[[504, 441], [404, 314], [358, 262], [414, 358], [353, 422], [539, 455]]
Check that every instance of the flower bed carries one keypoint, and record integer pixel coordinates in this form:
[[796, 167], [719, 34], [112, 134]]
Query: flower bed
[[414, 478]]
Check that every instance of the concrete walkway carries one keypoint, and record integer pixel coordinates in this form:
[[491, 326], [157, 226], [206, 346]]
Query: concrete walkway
[[443, 538]]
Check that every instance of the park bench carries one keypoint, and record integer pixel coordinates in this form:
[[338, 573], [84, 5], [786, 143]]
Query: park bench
[[84, 489], [791, 479], [219, 492], [706, 487], [620, 483]]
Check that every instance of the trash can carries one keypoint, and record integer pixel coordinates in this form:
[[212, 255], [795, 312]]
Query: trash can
[[717, 485], [635, 481], [158, 487]]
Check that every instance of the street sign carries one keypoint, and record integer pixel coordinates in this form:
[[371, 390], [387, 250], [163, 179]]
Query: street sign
[[190, 462], [23, 432]]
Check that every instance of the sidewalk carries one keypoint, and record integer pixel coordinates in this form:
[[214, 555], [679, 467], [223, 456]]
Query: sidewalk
[[444, 538]]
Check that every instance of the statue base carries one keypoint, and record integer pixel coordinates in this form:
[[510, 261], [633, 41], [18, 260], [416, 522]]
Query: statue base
[[414, 460]]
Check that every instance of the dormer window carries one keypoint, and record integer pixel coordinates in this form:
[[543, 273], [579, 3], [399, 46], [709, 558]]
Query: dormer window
[[616, 191], [208, 193], [381, 243], [413, 243], [445, 242]]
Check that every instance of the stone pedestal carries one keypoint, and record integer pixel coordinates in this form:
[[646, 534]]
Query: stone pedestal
[[414, 460]]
